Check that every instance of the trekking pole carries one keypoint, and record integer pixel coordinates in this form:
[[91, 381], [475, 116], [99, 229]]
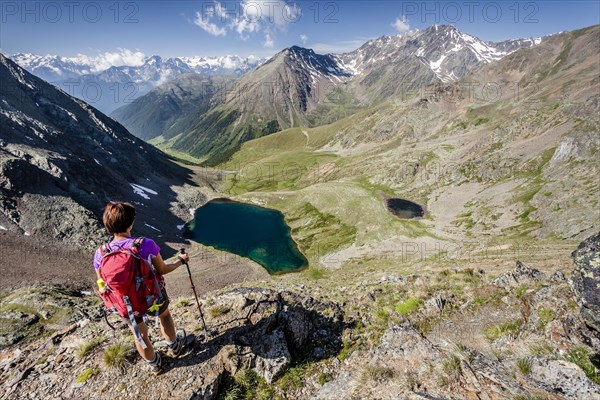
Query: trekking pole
[[204, 330]]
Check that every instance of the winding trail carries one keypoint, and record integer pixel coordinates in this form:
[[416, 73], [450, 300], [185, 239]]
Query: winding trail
[[307, 137]]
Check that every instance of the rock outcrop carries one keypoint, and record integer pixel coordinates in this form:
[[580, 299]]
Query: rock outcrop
[[255, 329], [585, 281], [521, 274]]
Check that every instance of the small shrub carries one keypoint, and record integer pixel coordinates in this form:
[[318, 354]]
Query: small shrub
[[86, 348], [382, 316], [524, 366], [451, 365], [218, 310], [408, 306], [501, 330], [347, 349], [117, 355], [546, 315], [424, 325], [520, 291], [324, 378], [294, 377], [248, 385], [87, 374], [233, 393], [376, 373]]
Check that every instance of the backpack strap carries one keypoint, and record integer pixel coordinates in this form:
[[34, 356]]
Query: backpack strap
[[136, 329], [135, 246], [105, 249]]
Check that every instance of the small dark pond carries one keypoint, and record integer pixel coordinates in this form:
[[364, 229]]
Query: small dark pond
[[250, 231], [404, 209]]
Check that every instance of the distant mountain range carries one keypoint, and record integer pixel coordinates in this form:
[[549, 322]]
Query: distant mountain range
[[119, 85], [298, 87]]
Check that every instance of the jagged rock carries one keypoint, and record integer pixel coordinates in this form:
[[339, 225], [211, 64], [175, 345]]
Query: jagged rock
[[557, 277], [436, 305], [556, 332], [272, 356], [585, 280], [562, 378], [521, 274], [487, 378]]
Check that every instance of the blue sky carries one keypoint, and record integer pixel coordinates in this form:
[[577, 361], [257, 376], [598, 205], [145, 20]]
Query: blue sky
[[263, 27]]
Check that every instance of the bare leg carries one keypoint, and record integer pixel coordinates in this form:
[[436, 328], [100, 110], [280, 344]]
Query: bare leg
[[148, 353], [167, 326]]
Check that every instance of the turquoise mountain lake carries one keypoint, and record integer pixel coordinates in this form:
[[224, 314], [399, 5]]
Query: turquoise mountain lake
[[250, 231]]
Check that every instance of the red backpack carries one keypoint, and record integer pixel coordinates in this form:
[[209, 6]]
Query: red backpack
[[133, 287]]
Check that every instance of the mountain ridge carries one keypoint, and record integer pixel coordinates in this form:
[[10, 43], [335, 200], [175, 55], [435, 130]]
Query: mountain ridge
[[300, 88], [114, 86]]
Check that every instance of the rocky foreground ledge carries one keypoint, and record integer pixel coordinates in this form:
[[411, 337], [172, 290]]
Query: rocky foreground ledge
[[278, 344]]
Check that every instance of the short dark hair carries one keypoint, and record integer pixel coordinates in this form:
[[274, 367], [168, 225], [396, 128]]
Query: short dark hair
[[118, 216]]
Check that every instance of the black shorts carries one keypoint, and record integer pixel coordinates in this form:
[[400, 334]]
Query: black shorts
[[164, 306]]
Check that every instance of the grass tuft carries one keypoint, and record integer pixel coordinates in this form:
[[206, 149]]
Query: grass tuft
[[524, 366], [117, 355], [86, 348], [376, 373], [546, 316], [324, 378], [408, 306], [218, 310], [247, 384], [502, 329], [451, 365], [541, 349]]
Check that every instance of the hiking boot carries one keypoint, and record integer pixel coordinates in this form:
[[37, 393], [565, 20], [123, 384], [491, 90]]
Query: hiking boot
[[179, 344], [156, 365]]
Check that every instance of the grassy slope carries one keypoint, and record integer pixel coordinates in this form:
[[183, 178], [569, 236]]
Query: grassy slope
[[483, 169]]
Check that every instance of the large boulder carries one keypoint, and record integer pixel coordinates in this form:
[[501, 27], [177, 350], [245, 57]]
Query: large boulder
[[585, 280]]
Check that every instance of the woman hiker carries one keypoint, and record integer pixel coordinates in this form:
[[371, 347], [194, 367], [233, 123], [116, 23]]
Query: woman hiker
[[125, 254]]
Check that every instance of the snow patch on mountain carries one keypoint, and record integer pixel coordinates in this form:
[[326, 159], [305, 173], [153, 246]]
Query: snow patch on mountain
[[142, 191], [444, 49]]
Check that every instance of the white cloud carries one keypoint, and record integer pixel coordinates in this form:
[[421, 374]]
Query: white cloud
[[304, 39], [204, 23], [248, 18], [401, 24], [109, 59], [269, 42]]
